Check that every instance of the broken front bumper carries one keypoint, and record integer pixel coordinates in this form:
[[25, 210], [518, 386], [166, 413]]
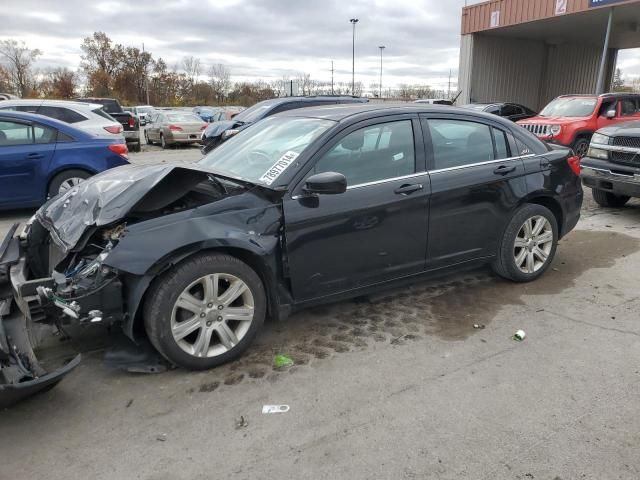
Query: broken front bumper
[[21, 375]]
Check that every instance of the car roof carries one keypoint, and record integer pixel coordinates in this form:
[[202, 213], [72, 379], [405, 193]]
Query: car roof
[[52, 103], [51, 122], [341, 112], [321, 98]]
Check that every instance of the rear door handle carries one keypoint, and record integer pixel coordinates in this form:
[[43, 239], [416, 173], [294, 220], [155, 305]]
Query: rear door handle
[[503, 170], [408, 189], [35, 156]]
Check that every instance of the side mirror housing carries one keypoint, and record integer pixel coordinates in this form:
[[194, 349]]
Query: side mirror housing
[[611, 114], [327, 183]]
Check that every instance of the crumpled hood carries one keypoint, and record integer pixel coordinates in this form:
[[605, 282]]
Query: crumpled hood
[[105, 198]]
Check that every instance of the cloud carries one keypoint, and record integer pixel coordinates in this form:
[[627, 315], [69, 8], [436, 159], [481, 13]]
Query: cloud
[[261, 38]]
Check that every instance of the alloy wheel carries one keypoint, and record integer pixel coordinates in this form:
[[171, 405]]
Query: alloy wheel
[[533, 244], [69, 183], [212, 315]]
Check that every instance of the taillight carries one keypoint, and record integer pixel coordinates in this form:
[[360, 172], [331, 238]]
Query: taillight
[[132, 122], [175, 128], [115, 129], [120, 149], [574, 164]]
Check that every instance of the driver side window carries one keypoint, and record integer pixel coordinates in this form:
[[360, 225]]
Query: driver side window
[[374, 153]]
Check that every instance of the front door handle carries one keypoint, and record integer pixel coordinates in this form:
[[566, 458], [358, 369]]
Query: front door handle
[[503, 170], [408, 189], [33, 156]]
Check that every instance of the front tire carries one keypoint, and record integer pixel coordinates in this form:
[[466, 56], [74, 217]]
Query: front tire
[[528, 245], [146, 138], [205, 311], [609, 200], [581, 147], [163, 142]]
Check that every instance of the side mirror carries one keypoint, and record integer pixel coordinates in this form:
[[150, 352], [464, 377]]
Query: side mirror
[[611, 114], [327, 183]]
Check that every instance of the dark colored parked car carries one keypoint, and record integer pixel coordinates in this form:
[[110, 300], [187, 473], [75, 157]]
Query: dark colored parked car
[[302, 208], [130, 123], [41, 157], [512, 111], [612, 165], [220, 131]]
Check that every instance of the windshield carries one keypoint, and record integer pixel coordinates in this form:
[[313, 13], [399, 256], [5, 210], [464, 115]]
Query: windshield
[[262, 152], [570, 107], [183, 117], [254, 113]]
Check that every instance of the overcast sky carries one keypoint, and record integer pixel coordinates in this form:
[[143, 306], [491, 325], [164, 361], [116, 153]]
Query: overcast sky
[[262, 38]]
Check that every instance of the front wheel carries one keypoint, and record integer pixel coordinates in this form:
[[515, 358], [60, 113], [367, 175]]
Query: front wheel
[[581, 147], [528, 245], [609, 200], [163, 142], [205, 311]]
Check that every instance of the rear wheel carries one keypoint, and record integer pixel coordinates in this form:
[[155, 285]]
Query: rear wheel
[[205, 311], [609, 200], [65, 181], [581, 147], [528, 244]]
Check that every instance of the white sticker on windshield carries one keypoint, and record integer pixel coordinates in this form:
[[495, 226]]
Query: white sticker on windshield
[[280, 166]]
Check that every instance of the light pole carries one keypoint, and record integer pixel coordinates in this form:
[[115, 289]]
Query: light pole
[[381, 47], [353, 57]]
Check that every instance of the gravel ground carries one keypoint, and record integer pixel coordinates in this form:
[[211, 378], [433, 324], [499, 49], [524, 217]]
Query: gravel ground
[[399, 385]]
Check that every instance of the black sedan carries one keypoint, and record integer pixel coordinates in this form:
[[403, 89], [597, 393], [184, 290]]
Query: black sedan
[[302, 208], [512, 111]]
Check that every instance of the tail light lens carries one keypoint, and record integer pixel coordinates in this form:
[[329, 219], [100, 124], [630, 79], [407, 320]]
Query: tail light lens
[[120, 149], [132, 122], [175, 128], [574, 164], [115, 129]]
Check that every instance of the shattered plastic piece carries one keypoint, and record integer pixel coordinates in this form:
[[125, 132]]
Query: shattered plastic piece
[[241, 423], [162, 437], [282, 361], [275, 408], [520, 335], [478, 326]]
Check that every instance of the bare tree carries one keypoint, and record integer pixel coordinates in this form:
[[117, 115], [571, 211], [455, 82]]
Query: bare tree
[[220, 81], [191, 66], [18, 61], [58, 83], [304, 83]]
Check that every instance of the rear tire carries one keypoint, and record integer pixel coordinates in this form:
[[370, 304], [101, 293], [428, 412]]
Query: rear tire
[[609, 200], [65, 180], [528, 244], [195, 326]]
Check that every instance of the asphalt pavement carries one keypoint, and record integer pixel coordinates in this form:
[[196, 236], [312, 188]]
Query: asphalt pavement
[[396, 386]]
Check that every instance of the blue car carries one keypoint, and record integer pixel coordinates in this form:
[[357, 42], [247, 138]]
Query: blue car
[[41, 157]]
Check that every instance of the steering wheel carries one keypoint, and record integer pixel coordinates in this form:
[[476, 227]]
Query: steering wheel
[[259, 157]]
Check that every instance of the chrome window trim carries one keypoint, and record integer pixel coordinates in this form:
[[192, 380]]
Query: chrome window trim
[[460, 167], [615, 148], [386, 180]]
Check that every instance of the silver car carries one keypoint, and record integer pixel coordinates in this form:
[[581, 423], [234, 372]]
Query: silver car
[[89, 117], [170, 127], [142, 112]]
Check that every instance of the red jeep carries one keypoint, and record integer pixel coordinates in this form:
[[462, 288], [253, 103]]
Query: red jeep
[[571, 120]]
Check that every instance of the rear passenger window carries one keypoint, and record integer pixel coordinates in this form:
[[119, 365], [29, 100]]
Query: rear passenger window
[[502, 147], [378, 152], [62, 114], [42, 134], [457, 143]]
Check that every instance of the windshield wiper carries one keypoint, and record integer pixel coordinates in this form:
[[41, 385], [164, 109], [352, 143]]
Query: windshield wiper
[[213, 178]]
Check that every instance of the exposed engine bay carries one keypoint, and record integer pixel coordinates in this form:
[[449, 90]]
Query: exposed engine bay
[[56, 271]]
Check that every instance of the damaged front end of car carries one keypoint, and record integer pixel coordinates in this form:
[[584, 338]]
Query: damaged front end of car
[[88, 256]]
